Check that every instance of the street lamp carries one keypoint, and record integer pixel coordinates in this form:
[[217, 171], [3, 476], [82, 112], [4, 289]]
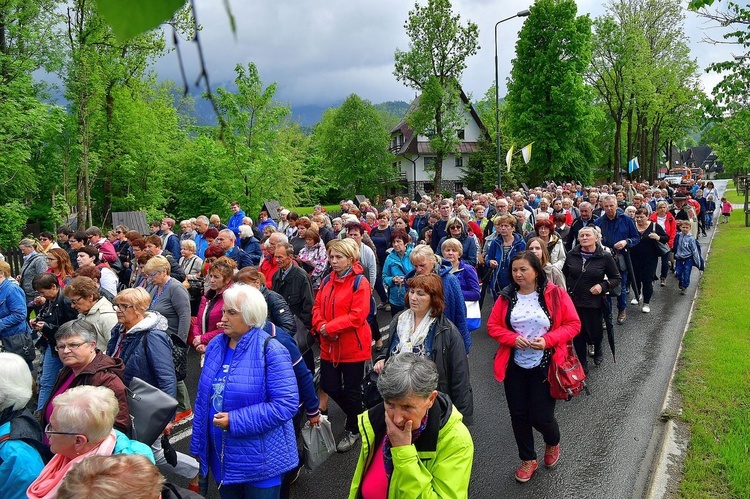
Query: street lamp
[[523, 13]]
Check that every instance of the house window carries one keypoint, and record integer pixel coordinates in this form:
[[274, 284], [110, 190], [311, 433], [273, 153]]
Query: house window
[[459, 161], [428, 187], [458, 187], [429, 163], [461, 134]]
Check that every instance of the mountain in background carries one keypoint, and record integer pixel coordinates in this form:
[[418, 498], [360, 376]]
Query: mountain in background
[[307, 116]]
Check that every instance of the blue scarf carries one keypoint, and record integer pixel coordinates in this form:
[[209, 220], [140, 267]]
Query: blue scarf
[[388, 458]]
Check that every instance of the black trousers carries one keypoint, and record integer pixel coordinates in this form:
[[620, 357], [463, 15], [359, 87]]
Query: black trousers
[[591, 332], [342, 383], [531, 407]]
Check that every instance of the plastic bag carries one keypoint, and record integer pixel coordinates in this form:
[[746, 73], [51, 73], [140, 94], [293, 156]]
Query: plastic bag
[[318, 442]]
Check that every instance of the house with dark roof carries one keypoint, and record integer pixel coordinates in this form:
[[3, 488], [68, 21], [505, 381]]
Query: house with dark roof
[[412, 153], [699, 157]]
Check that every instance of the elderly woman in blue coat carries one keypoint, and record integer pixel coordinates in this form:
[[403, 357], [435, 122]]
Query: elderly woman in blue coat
[[247, 397]]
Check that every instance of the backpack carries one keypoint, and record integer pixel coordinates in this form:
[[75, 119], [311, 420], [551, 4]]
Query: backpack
[[567, 379]]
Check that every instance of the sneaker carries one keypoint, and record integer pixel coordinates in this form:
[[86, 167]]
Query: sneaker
[[387, 307], [381, 306], [346, 443], [591, 350], [683, 291], [621, 316], [551, 455], [646, 309], [526, 471], [663, 281], [184, 416], [634, 301]]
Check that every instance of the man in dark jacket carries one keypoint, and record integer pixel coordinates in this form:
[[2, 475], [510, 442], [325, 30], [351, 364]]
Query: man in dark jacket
[[294, 285], [440, 229], [227, 240], [154, 245], [587, 218], [619, 234]]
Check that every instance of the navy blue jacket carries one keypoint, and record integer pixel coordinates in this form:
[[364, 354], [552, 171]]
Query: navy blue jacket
[[154, 366], [240, 256], [622, 227], [251, 246]]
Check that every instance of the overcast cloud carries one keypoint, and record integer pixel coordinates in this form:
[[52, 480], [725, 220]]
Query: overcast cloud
[[320, 52]]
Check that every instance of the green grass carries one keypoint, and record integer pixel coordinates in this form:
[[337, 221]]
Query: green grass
[[307, 210], [731, 194], [714, 374]]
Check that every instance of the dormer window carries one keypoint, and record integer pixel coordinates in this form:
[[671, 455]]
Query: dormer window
[[461, 134]]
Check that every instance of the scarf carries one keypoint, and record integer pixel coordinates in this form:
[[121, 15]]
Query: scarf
[[49, 480], [387, 457], [411, 339]]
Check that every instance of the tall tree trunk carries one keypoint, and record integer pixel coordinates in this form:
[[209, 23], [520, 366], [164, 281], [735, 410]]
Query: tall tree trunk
[[617, 151], [629, 137]]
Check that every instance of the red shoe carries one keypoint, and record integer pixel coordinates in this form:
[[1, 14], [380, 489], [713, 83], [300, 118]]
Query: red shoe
[[551, 455], [183, 415], [526, 471]]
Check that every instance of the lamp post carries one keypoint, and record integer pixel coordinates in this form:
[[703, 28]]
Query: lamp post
[[523, 13]]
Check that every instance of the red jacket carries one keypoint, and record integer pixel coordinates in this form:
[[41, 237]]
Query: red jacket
[[107, 252], [565, 326], [670, 226], [268, 268], [344, 312]]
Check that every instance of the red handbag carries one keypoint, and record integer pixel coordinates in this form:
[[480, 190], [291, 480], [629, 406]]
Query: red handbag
[[566, 379]]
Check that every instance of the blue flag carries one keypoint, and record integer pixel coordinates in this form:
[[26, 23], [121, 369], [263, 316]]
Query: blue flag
[[633, 165]]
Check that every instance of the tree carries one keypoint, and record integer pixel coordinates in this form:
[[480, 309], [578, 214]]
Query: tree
[[352, 143], [438, 48], [254, 137], [547, 102]]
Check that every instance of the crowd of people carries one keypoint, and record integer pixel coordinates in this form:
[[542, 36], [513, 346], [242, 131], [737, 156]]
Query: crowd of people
[[258, 301]]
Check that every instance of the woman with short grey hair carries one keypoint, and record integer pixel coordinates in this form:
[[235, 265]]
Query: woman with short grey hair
[[20, 459], [85, 364], [415, 420]]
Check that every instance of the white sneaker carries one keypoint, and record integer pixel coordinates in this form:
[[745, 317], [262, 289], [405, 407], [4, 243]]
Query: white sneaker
[[634, 301], [646, 309], [347, 442]]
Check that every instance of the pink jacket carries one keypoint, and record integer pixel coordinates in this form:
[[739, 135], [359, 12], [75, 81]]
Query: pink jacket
[[565, 326]]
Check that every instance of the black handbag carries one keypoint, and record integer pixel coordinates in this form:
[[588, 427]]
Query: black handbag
[[369, 389], [20, 344], [179, 358], [151, 410]]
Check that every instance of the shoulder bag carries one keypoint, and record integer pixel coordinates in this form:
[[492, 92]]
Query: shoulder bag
[[661, 248], [566, 379], [151, 410], [21, 344]]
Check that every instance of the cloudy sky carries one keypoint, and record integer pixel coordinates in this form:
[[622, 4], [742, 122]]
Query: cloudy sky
[[320, 52]]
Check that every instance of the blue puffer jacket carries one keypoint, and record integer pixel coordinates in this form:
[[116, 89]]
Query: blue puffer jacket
[[261, 398], [396, 266], [156, 368], [12, 309], [501, 277]]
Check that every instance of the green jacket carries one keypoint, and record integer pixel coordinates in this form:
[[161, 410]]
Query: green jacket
[[437, 464]]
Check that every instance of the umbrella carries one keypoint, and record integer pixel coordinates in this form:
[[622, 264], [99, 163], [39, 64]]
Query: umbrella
[[607, 309], [631, 274]]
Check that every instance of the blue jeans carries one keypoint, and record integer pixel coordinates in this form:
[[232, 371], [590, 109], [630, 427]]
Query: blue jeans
[[709, 219], [682, 269], [247, 491], [50, 368]]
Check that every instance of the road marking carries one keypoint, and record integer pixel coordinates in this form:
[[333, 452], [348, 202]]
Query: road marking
[[181, 435]]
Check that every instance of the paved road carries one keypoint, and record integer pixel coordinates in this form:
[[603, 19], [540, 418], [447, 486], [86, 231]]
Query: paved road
[[608, 438]]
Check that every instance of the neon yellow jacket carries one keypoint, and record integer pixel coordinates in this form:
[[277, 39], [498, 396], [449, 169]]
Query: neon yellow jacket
[[437, 465]]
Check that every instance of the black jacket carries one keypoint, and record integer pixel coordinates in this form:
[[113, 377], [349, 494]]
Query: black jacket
[[175, 269], [54, 314], [296, 289], [581, 278], [449, 354], [279, 311]]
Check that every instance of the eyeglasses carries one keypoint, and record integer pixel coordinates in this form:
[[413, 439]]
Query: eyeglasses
[[153, 274], [70, 346], [48, 431], [122, 306], [44, 239], [75, 301], [118, 232], [456, 227]]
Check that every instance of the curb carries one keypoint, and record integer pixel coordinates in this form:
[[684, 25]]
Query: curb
[[670, 447]]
